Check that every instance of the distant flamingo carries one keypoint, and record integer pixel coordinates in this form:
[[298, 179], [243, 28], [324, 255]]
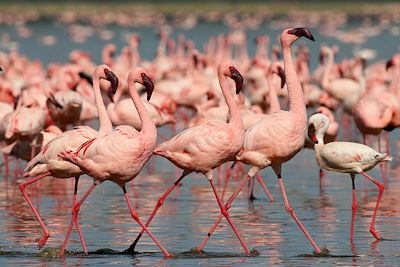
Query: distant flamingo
[[118, 156], [278, 137], [205, 147], [346, 157], [48, 163]]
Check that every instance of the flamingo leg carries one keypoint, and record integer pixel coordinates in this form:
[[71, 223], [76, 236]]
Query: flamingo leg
[[381, 188], [321, 182], [136, 218], [46, 233], [353, 207], [225, 213], [251, 189], [291, 212], [131, 249], [264, 186], [75, 211], [226, 181], [78, 228], [382, 165], [228, 204]]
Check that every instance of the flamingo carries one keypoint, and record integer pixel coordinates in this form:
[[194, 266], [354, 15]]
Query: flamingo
[[102, 157], [205, 147], [48, 163], [346, 157], [65, 107], [278, 137]]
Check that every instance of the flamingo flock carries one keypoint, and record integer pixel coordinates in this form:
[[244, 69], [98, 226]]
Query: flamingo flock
[[230, 108]]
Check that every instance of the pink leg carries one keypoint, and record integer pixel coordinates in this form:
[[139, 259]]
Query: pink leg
[[136, 218], [225, 213], [381, 166], [381, 188], [75, 211], [264, 186], [226, 181], [78, 228], [46, 233], [353, 207], [291, 212], [321, 182], [6, 162], [251, 189], [131, 249], [228, 204]]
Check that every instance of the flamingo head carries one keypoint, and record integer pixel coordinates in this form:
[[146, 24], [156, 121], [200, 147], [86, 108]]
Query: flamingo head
[[290, 35], [139, 75], [113, 79], [148, 84], [237, 77], [389, 64], [104, 72], [317, 126], [277, 69]]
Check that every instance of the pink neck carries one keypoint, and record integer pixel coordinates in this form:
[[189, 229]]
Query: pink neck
[[295, 92], [274, 104], [104, 119], [234, 113], [327, 71], [145, 119]]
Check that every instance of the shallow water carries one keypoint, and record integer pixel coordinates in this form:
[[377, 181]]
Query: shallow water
[[187, 214]]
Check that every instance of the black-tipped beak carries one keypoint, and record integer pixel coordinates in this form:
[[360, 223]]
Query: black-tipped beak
[[302, 32], [113, 79], [238, 78], [149, 85], [389, 64], [86, 77], [1, 69], [311, 133], [321, 58], [54, 101], [281, 74]]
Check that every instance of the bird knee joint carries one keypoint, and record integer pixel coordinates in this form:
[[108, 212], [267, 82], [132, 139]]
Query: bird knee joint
[[134, 216], [224, 212], [160, 202]]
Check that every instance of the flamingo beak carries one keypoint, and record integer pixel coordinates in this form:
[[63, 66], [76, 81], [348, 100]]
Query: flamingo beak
[[1, 69], [311, 133], [238, 78], [54, 101], [281, 74], [113, 79], [86, 77], [389, 64], [302, 32], [148, 84]]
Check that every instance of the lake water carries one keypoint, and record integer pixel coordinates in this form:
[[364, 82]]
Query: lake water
[[187, 214]]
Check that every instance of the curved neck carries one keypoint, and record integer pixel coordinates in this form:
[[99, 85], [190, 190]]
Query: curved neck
[[234, 113], [295, 92], [327, 70], [394, 84], [274, 104], [104, 119], [145, 119]]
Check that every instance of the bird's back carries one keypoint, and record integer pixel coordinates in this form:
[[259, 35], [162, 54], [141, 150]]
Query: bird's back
[[348, 157]]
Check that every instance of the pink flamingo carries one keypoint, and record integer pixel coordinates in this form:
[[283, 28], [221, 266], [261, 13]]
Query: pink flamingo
[[205, 147], [48, 163], [102, 157], [278, 137], [346, 157]]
